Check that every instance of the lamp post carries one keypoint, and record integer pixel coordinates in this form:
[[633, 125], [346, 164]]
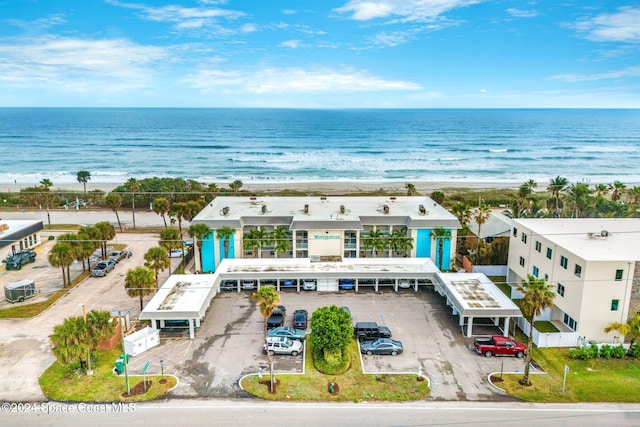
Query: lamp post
[[84, 316], [124, 359], [162, 381]]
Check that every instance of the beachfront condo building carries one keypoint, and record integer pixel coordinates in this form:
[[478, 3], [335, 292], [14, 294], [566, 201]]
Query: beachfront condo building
[[593, 264], [327, 229]]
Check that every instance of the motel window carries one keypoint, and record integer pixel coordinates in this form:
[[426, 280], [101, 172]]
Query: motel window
[[524, 238], [549, 253], [536, 271], [619, 274], [515, 232], [614, 304], [578, 270], [521, 262], [560, 290], [568, 320], [564, 262], [538, 246]]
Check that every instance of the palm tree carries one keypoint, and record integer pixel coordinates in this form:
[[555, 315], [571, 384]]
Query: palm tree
[[157, 260], [578, 195], [399, 242], [538, 295], [134, 186], [411, 189], [280, 237], [178, 212], [213, 188], [481, 216], [618, 190], [161, 206], [440, 235], [375, 241], [556, 187], [630, 330], [45, 185], [255, 240], [98, 325], [70, 340], [634, 194], [225, 234], [438, 197], [93, 237], [199, 232], [139, 282], [462, 211], [114, 201], [268, 299], [106, 231], [84, 249], [235, 186], [62, 255], [83, 178], [170, 238]]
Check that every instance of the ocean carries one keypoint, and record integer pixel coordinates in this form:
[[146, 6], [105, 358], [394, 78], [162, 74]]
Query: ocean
[[298, 145]]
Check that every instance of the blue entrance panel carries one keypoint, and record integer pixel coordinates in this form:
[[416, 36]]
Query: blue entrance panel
[[208, 254], [423, 244]]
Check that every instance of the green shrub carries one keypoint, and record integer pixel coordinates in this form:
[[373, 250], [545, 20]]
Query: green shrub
[[336, 363], [618, 351], [634, 350], [574, 353], [589, 352], [606, 351]]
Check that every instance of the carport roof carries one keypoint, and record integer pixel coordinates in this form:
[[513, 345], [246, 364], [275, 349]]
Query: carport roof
[[182, 296], [474, 295]]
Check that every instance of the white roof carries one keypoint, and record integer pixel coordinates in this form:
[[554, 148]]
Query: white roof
[[473, 294], [592, 239], [497, 225], [182, 296]]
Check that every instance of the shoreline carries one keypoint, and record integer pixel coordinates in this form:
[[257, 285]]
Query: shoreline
[[324, 187]]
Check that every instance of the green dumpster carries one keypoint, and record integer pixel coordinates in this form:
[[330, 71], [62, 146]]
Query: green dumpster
[[119, 366]]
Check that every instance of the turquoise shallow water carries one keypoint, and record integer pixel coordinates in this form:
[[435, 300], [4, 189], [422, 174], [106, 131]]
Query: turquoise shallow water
[[280, 145]]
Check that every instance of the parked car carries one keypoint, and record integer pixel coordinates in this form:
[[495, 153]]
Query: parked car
[[117, 256], [404, 283], [346, 284], [228, 285], [103, 268], [500, 346], [309, 285], [287, 331], [282, 345], [17, 260], [381, 346], [277, 317], [300, 319], [248, 285], [289, 283], [176, 253], [367, 331], [346, 309]]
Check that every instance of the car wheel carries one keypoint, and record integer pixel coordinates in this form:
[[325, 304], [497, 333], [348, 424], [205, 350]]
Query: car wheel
[[519, 355], [488, 353], [294, 353], [369, 353], [271, 352], [361, 338], [394, 353]]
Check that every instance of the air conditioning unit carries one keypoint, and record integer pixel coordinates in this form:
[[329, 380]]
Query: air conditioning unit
[[225, 210], [264, 209], [342, 209], [604, 233]]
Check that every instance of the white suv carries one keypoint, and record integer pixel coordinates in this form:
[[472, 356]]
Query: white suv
[[282, 345], [308, 285]]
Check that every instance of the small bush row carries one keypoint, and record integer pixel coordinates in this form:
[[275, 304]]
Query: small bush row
[[605, 351]]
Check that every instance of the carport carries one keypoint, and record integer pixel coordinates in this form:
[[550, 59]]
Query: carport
[[182, 300], [473, 295]]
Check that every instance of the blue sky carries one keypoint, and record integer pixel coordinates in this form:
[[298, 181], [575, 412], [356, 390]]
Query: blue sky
[[320, 54]]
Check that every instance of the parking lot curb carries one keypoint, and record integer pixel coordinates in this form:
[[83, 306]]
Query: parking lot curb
[[492, 384]]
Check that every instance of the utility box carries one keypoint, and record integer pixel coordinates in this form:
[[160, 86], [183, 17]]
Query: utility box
[[141, 341], [20, 291]]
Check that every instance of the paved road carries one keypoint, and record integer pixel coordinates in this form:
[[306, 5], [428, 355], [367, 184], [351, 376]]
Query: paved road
[[144, 218], [259, 413]]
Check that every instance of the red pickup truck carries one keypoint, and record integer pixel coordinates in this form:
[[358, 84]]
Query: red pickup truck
[[500, 346]]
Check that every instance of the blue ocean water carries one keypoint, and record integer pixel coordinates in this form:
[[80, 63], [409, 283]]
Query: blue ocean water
[[282, 145]]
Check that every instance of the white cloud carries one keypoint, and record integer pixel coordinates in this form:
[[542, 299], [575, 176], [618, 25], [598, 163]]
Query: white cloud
[[249, 28], [289, 12], [74, 62], [295, 80], [616, 74], [291, 43], [520, 13], [405, 10], [621, 26]]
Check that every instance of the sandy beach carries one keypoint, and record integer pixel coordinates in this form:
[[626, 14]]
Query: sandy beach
[[326, 187]]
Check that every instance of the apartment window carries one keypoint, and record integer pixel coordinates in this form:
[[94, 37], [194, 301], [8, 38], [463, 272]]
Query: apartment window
[[546, 277], [549, 253], [538, 246], [614, 304], [578, 270], [515, 232], [524, 238], [536, 271], [619, 274], [521, 262], [564, 262], [568, 320], [560, 290]]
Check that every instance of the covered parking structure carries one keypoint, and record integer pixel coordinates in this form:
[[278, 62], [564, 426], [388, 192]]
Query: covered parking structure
[[473, 295], [182, 301]]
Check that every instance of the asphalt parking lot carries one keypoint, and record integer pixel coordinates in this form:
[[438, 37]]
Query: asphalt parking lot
[[228, 344]]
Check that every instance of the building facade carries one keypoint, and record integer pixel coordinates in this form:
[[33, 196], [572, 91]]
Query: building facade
[[593, 264], [327, 228], [19, 235]]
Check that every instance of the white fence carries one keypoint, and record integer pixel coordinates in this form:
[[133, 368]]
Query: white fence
[[491, 270], [549, 339]]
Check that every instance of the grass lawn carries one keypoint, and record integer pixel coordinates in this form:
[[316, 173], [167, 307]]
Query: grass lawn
[[595, 380], [63, 383], [354, 386]]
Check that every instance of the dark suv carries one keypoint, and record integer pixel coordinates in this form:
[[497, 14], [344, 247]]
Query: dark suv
[[368, 331]]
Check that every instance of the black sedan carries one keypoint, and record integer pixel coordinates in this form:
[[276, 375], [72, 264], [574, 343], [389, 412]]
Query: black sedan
[[381, 346]]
